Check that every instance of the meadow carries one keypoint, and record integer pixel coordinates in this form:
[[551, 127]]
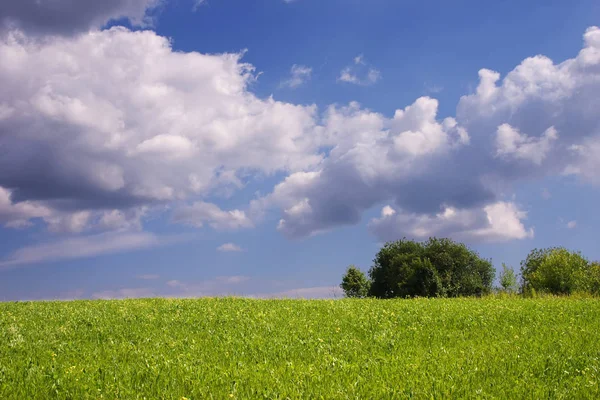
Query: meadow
[[222, 348]]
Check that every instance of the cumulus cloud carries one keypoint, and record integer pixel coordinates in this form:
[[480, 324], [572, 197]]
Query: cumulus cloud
[[496, 222], [97, 129], [511, 143], [66, 17], [115, 120], [375, 158], [229, 247], [432, 170], [299, 75], [532, 105], [359, 73]]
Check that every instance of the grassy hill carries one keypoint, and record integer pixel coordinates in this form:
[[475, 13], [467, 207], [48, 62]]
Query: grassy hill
[[240, 348]]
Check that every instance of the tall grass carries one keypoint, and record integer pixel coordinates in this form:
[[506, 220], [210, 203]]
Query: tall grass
[[225, 348]]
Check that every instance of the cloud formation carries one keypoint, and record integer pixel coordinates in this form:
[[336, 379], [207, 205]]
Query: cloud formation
[[99, 129], [68, 17], [375, 159], [113, 121], [496, 222], [200, 213]]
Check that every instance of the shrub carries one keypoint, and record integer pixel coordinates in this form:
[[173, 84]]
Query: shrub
[[355, 283], [508, 279], [558, 271], [437, 267]]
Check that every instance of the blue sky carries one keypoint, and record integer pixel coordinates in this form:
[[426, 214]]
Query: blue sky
[[163, 148]]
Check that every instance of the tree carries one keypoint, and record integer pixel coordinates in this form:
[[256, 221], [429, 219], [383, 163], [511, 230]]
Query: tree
[[508, 279], [594, 275], [557, 270], [355, 283], [437, 267]]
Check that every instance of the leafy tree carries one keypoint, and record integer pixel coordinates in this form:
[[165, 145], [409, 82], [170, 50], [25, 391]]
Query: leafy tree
[[437, 267], [594, 278], [508, 279], [557, 270], [355, 283]]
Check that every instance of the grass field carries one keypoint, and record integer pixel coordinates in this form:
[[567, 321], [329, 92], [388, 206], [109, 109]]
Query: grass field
[[241, 348]]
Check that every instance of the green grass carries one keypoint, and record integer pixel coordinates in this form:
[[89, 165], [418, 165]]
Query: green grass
[[241, 348]]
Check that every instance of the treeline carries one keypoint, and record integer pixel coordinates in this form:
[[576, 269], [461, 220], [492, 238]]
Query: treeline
[[445, 268]]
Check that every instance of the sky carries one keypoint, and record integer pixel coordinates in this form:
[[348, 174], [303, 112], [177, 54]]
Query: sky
[[188, 148]]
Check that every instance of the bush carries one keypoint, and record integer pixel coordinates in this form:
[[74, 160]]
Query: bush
[[594, 280], [435, 268], [508, 279], [355, 283], [559, 271]]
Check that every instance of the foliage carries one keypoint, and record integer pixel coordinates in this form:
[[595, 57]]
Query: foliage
[[246, 349], [437, 267], [508, 279], [355, 283], [559, 271], [594, 278]]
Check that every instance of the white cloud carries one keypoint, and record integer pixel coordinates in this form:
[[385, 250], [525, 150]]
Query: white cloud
[[229, 247], [359, 73], [137, 127], [200, 213], [136, 124], [586, 160], [82, 247], [496, 222], [18, 215], [510, 142], [572, 224], [121, 220], [540, 98], [75, 222], [374, 158], [299, 75]]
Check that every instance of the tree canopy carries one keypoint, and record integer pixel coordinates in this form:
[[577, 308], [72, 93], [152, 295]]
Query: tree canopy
[[557, 270], [355, 283], [437, 267]]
